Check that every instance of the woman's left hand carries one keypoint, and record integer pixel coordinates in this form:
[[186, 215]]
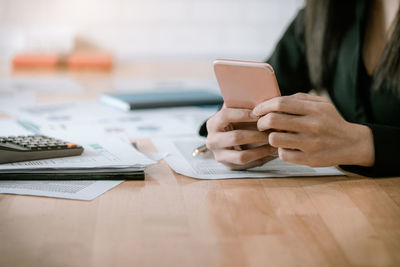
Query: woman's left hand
[[309, 130]]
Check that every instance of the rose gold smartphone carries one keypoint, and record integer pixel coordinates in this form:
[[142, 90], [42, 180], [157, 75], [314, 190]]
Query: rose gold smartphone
[[245, 84]]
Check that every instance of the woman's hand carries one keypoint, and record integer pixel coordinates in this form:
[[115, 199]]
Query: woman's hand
[[230, 128], [309, 130]]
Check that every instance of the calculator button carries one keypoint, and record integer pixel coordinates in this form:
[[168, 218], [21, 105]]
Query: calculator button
[[21, 146]]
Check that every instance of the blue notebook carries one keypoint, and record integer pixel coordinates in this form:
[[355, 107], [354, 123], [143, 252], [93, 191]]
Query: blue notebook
[[158, 99]]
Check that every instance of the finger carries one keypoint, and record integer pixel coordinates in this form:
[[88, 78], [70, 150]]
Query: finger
[[256, 163], [281, 121], [310, 97], [274, 150], [245, 126], [227, 116], [292, 156], [243, 157], [221, 140], [286, 140], [283, 104]]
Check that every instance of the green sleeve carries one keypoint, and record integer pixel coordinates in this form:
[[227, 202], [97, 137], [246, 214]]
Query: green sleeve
[[289, 59]]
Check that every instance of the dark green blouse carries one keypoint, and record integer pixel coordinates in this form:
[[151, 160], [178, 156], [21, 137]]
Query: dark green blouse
[[349, 89]]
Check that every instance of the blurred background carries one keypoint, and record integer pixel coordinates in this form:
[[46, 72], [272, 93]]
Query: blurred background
[[60, 60], [146, 29]]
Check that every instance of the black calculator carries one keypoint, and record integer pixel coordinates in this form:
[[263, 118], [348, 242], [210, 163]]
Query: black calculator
[[33, 147]]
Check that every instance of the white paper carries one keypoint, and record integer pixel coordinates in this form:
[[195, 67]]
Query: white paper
[[105, 154], [21, 91], [180, 159], [12, 98], [90, 116], [47, 84], [81, 190], [11, 127], [130, 85], [64, 112]]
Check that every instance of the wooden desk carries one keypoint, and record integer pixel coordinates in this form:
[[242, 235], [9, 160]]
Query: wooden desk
[[172, 220]]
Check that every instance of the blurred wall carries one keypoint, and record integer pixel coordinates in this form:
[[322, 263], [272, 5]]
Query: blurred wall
[[147, 29]]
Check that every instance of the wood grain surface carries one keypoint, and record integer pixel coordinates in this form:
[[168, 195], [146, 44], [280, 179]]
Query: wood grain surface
[[172, 220]]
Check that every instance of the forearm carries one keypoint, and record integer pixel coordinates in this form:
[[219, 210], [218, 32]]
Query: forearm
[[386, 144], [361, 146]]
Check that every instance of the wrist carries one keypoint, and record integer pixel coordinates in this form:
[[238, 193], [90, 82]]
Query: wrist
[[363, 151]]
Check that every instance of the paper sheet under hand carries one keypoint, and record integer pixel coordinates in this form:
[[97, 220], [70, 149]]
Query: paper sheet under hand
[[81, 190], [180, 159]]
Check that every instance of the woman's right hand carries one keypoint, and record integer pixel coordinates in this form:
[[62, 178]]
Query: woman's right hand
[[230, 128]]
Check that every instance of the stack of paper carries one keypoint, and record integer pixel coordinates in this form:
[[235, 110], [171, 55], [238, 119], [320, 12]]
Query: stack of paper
[[108, 159]]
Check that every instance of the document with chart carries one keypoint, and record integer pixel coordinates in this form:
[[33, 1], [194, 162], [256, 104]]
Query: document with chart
[[113, 154], [104, 156], [180, 159], [47, 177]]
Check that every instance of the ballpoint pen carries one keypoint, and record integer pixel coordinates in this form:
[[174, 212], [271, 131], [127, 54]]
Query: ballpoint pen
[[200, 151]]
